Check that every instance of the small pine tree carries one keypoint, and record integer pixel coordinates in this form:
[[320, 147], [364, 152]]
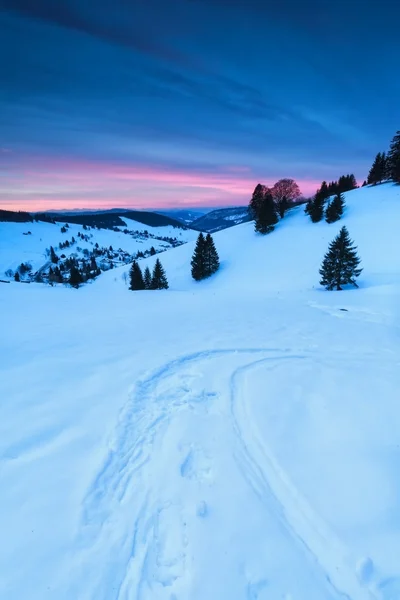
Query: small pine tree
[[75, 276], [152, 251], [16, 276], [198, 262], [159, 279], [147, 279], [136, 277], [335, 209], [267, 217], [340, 264], [316, 206], [393, 159], [53, 256], [211, 258]]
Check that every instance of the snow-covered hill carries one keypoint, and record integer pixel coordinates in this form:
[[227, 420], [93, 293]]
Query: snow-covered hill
[[30, 242], [232, 439], [222, 218]]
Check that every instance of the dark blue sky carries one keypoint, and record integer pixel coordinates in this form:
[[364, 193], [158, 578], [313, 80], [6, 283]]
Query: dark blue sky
[[156, 103]]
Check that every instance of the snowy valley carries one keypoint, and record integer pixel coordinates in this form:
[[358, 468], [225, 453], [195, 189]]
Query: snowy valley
[[236, 438]]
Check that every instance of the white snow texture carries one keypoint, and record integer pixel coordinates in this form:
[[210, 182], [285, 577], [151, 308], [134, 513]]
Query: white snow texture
[[232, 439]]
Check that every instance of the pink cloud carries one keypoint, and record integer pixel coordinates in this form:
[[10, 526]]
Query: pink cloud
[[48, 183]]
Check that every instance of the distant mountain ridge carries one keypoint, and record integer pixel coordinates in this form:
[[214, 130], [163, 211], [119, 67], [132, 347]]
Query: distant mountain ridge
[[100, 219], [222, 218]]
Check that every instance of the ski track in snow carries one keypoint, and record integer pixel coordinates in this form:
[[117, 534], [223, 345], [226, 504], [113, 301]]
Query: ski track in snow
[[119, 493]]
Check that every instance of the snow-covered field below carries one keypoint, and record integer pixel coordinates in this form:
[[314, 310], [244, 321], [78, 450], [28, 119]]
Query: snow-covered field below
[[234, 439]]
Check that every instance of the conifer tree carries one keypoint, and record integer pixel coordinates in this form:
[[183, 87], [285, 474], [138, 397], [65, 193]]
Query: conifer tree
[[211, 258], [17, 276], [53, 255], [340, 264], [267, 217], [159, 278], [136, 277], [335, 209], [57, 275], [147, 279], [256, 200], [75, 276], [198, 259], [393, 159], [377, 172], [316, 205]]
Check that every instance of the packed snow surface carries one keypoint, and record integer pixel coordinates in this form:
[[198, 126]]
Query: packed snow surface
[[234, 439]]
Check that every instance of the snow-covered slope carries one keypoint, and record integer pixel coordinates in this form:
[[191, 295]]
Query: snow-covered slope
[[232, 439], [17, 245], [222, 218]]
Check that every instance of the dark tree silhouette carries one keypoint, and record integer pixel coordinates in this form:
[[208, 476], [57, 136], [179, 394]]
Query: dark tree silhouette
[[267, 217], [198, 260], [211, 258], [377, 172], [257, 200], [147, 278], [340, 264], [53, 256], [284, 192], [135, 277], [316, 205], [335, 209], [393, 159], [159, 279], [75, 276]]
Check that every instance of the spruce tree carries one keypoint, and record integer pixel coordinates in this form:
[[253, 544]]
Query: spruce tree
[[256, 200], [159, 278], [316, 206], [340, 264], [75, 276], [17, 276], [53, 256], [198, 259], [393, 159], [335, 209], [136, 277], [377, 172], [147, 279], [267, 217], [211, 258]]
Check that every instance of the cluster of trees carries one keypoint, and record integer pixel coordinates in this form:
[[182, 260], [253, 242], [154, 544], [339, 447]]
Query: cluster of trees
[[147, 280], [341, 263], [386, 166], [205, 259], [315, 207], [67, 243], [335, 208], [268, 204], [205, 262], [74, 271]]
